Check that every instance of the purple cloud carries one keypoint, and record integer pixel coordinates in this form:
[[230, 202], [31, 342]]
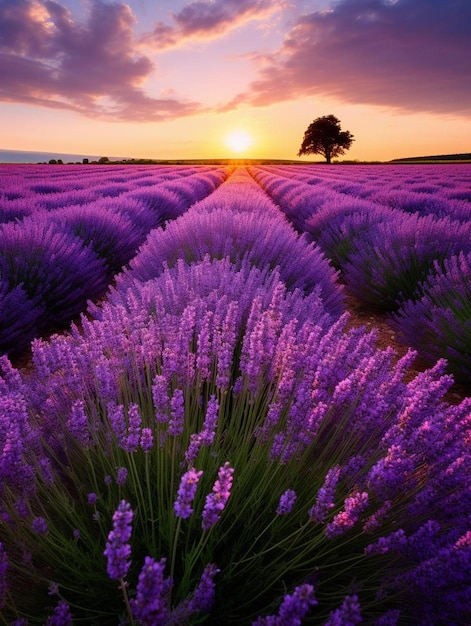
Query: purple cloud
[[203, 19], [49, 60], [409, 54]]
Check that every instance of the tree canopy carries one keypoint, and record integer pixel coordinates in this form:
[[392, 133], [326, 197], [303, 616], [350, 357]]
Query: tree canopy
[[324, 136]]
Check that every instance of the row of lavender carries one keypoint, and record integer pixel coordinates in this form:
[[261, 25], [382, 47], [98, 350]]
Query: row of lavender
[[65, 235], [214, 442], [401, 237]]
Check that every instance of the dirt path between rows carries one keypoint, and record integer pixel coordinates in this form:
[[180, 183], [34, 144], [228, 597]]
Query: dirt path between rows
[[363, 315]]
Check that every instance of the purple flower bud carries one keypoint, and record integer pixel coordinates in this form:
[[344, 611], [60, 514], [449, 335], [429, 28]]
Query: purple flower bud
[[293, 608], [160, 398], [207, 435], [186, 493], [78, 424], [121, 476], [92, 498], [346, 519], [131, 441], [217, 500], [21, 507], [287, 500], [147, 439], [325, 496], [118, 549], [149, 606], [39, 525], [61, 615], [203, 597], [349, 613], [177, 413]]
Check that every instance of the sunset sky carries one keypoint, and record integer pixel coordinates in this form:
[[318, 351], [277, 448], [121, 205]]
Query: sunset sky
[[173, 79]]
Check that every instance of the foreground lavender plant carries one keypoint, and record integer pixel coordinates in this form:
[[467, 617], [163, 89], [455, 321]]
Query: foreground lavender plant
[[118, 549], [367, 480]]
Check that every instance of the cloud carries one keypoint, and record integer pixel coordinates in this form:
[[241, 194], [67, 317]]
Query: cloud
[[208, 19], [409, 54], [49, 60]]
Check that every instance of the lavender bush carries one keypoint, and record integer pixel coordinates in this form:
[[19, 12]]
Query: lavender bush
[[238, 232], [51, 266], [388, 261], [438, 321], [21, 317], [111, 234], [336, 227], [162, 472]]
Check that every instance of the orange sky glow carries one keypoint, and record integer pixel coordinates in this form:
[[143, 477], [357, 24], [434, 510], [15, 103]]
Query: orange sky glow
[[175, 79]]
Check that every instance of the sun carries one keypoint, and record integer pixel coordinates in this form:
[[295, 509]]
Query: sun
[[238, 141]]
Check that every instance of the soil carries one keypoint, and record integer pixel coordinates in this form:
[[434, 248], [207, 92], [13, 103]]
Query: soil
[[363, 315]]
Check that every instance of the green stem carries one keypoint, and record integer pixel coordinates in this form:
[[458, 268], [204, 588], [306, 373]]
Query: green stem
[[150, 501], [174, 551], [123, 587]]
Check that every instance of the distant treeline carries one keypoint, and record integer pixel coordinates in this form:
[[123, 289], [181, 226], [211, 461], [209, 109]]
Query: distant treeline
[[439, 157]]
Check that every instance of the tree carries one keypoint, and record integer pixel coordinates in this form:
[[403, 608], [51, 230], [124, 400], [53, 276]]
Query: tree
[[324, 136]]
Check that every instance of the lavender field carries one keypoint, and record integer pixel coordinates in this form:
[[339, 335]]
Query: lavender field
[[202, 437]]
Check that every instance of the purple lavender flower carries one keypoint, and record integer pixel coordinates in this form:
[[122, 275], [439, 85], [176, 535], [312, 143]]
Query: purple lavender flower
[[118, 549], [131, 441], [294, 607], [150, 604], [61, 615], [186, 493], [147, 439], [390, 618], [160, 398], [78, 424], [46, 470], [92, 498], [206, 436], [39, 525], [325, 496], [217, 500], [210, 421], [286, 502], [177, 413], [117, 421], [203, 596], [204, 345], [3, 575], [121, 476], [22, 508], [348, 614], [346, 519]]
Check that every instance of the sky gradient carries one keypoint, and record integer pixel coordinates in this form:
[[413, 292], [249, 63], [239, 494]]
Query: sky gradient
[[172, 79]]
